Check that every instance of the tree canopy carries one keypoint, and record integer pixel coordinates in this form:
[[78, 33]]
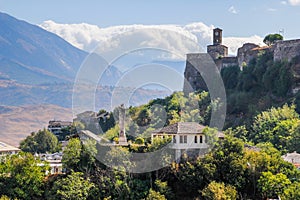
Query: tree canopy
[[41, 142], [272, 38]]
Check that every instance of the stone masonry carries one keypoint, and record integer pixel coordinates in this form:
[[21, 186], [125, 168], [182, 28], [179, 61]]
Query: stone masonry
[[281, 50]]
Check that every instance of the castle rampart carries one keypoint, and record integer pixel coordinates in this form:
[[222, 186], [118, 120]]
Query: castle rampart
[[281, 50]]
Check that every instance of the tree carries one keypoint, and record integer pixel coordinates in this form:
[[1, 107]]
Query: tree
[[71, 156], [228, 159], [22, 176], [139, 140], [277, 126], [41, 142], [219, 191], [153, 195], [194, 175], [272, 38], [164, 189], [88, 156], [72, 187], [240, 132], [118, 158], [292, 192], [273, 185], [267, 159], [67, 132]]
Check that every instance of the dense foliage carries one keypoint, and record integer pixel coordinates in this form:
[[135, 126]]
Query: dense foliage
[[41, 142], [263, 125], [260, 85], [230, 171], [22, 176]]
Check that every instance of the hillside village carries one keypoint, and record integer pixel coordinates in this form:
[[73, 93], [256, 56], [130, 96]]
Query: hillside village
[[255, 159]]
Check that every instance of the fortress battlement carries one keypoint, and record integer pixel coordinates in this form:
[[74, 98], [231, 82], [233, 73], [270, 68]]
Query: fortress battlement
[[281, 50]]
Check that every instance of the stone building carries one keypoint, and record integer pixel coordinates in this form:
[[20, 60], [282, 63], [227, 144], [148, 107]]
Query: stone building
[[56, 127], [219, 52], [281, 51], [246, 53], [195, 61], [286, 50]]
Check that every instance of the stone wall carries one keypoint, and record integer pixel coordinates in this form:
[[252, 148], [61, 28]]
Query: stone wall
[[217, 51], [193, 79], [229, 61], [282, 50], [286, 50], [245, 53]]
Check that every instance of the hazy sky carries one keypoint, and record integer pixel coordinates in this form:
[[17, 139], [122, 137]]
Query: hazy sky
[[235, 17]]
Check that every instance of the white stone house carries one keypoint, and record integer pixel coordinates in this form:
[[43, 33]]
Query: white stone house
[[54, 161], [293, 158], [186, 137], [6, 149]]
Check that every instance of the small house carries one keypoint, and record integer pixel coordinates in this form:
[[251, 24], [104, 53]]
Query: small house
[[186, 137]]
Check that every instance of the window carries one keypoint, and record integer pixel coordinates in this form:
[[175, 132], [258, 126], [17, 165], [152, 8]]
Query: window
[[185, 138], [196, 139], [201, 139], [181, 139], [174, 138]]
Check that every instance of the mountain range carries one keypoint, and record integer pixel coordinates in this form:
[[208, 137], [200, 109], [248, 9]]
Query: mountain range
[[31, 55], [37, 72]]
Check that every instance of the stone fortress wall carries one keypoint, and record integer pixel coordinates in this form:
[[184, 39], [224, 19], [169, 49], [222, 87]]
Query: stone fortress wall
[[281, 50]]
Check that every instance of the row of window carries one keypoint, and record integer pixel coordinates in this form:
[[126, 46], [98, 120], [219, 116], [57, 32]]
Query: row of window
[[183, 139]]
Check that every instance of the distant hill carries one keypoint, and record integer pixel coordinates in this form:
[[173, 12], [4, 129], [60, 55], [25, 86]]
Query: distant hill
[[16, 94], [18, 122], [32, 55]]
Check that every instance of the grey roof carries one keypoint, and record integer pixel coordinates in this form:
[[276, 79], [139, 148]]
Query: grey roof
[[59, 123], [184, 128], [292, 157]]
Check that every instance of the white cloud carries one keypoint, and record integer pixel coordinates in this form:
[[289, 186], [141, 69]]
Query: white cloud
[[294, 2], [233, 43], [232, 10], [283, 2], [272, 9], [178, 38]]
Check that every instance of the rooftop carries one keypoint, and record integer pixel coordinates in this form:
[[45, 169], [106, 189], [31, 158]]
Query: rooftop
[[184, 128], [292, 157], [59, 123], [6, 147]]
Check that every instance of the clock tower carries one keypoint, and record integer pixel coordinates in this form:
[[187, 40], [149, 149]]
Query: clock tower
[[217, 50], [217, 37]]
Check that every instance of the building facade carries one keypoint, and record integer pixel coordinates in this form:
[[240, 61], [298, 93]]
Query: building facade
[[56, 126], [186, 137], [6, 149]]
